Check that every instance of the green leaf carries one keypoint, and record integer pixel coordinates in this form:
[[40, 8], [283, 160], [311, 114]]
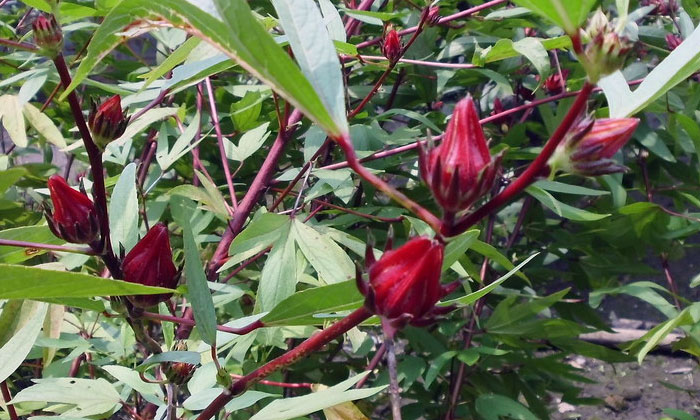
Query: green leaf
[[19, 282], [492, 253], [334, 22], [249, 143], [198, 293], [495, 407], [567, 14], [43, 125], [564, 188], [191, 357], [658, 333], [278, 279], [300, 308], [9, 177], [314, 51], [474, 296], [678, 66], [13, 352], [15, 254], [13, 120], [239, 35], [295, 407], [133, 380], [245, 112], [124, 229], [329, 260], [261, 233], [89, 397], [175, 58], [562, 209], [181, 147], [457, 247]]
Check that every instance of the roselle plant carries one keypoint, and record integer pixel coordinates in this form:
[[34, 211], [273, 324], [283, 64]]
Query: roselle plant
[[211, 240]]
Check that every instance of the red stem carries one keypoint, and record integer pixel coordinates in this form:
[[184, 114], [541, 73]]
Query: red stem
[[7, 397], [279, 384], [308, 346], [346, 144], [443, 20], [37, 245], [184, 321], [18, 45], [95, 156], [262, 179], [530, 174], [220, 140]]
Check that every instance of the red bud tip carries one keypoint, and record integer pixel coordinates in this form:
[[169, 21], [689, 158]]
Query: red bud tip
[[673, 41], [662, 7], [74, 218], [553, 84], [433, 16], [460, 170], [107, 121], [150, 263], [391, 48], [404, 285], [47, 35], [590, 146]]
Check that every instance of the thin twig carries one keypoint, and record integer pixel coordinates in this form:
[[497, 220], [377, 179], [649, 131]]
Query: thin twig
[[8, 397], [220, 140], [31, 246]]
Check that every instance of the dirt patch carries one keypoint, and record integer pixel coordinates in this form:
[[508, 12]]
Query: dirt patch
[[637, 392]]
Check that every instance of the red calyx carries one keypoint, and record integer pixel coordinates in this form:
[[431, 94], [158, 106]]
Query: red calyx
[[48, 35], [74, 217], [673, 41], [107, 121], [150, 263], [433, 17], [460, 170], [391, 47], [404, 284], [554, 83], [589, 148]]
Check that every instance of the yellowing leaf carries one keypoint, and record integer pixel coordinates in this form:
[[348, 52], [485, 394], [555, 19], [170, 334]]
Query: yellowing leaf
[[43, 125], [342, 411], [12, 119]]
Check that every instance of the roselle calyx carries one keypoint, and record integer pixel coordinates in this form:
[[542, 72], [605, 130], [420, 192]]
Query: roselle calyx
[[589, 147], [606, 49], [179, 373], [48, 35], [404, 284], [673, 41], [74, 217], [461, 169], [433, 17], [553, 84], [107, 121], [391, 46], [150, 263]]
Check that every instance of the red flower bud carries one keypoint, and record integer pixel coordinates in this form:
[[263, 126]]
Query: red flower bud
[[179, 373], [607, 48], [663, 7], [150, 263], [74, 217], [433, 16], [404, 285], [460, 170], [391, 46], [588, 149], [47, 35], [673, 41], [107, 122], [553, 84]]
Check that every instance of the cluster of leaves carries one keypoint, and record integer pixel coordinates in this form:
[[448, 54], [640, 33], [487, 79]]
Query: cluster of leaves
[[291, 260]]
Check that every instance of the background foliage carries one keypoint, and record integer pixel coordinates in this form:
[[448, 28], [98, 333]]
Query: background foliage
[[584, 240]]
